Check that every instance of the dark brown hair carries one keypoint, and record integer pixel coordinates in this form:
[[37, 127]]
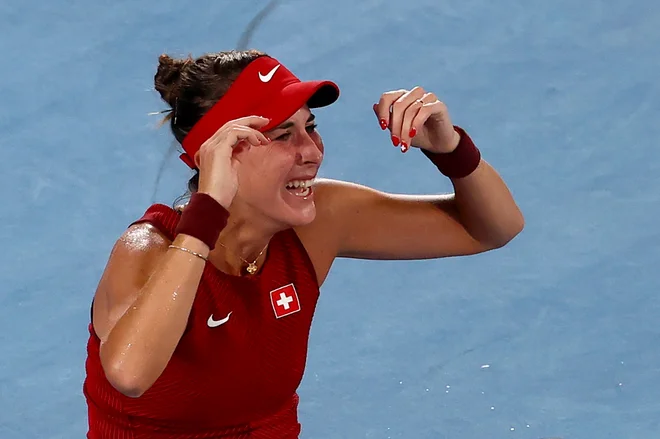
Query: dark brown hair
[[192, 86]]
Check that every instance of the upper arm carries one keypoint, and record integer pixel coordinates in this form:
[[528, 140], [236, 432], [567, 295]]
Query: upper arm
[[370, 224], [132, 260]]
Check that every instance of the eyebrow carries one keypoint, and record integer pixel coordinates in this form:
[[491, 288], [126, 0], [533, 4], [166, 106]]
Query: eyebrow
[[286, 125]]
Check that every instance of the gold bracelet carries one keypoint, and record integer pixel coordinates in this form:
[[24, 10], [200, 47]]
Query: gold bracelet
[[189, 251]]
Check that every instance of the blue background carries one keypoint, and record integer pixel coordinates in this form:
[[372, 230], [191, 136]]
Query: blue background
[[561, 97]]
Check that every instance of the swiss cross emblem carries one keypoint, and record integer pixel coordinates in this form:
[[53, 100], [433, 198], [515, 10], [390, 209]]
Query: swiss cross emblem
[[285, 301]]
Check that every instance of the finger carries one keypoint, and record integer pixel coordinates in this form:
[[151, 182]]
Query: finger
[[384, 105], [249, 135], [398, 110], [261, 137], [382, 122], [247, 138], [435, 107], [407, 130], [243, 122], [252, 121]]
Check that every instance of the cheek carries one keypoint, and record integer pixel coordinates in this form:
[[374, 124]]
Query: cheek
[[316, 138], [263, 171]]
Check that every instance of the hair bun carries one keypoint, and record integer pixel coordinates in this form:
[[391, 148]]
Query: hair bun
[[167, 80]]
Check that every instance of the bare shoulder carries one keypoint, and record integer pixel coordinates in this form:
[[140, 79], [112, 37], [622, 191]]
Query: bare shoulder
[[321, 238], [330, 190], [333, 199], [141, 238], [133, 258], [356, 221]]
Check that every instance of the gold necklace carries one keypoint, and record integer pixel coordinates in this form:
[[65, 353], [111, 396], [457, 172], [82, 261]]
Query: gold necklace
[[251, 266]]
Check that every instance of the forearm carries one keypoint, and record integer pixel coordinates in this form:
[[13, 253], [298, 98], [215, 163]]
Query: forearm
[[486, 207], [484, 204], [139, 346]]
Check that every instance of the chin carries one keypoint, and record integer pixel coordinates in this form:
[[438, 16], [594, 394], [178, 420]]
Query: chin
[[296, 208]]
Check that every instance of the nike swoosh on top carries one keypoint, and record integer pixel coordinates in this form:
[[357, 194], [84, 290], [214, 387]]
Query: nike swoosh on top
[[214, 323], [269, 75]]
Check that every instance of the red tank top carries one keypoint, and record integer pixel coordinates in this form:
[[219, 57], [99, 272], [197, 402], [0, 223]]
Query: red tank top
[[231, 380]]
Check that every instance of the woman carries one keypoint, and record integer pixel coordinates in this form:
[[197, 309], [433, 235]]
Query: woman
[[201, 319]]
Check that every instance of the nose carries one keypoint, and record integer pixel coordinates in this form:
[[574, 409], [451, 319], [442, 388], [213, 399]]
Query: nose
[[310, 151]]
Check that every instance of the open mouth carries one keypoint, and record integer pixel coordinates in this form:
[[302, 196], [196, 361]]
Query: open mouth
[[300, 188]]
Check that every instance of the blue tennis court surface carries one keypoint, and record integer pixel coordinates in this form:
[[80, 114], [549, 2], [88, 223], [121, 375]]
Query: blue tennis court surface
[[556, 335]]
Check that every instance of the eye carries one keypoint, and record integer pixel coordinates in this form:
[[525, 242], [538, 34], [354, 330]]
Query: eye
[[283, 136], [309, 128]]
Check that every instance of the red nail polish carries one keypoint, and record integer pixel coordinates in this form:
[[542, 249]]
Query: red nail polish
[[413, 132], [395, 140], [383, 124], [404, 147]]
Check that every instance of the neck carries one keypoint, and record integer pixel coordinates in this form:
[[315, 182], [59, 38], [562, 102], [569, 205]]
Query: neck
[[241, 240]]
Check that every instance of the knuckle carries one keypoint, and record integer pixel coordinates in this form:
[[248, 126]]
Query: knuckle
[[424, 112], [410, 112], [430, 97], [394, 94]]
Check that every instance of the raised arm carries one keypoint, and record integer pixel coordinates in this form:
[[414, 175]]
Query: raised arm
[[146, 293], [142, 305], [481, 214]]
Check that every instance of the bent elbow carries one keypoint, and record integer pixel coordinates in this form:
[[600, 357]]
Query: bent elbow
[[520, 223], [127, 384], [125, 379], [514, 230], [517, 227]]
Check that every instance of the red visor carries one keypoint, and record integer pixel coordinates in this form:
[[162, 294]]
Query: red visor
[[264, 88]]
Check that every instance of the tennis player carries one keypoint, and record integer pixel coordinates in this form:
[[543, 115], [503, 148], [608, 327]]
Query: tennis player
[[201, 319]]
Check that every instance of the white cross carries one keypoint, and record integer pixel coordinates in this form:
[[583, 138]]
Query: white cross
[[284, 300]]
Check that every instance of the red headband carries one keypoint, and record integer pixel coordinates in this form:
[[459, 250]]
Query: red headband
[[264, 88]]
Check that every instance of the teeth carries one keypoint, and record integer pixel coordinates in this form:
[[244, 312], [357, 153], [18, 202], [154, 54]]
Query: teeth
[[300, 184]]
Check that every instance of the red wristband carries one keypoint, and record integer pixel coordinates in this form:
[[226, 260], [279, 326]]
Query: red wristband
[[203, 218], [459, 163]]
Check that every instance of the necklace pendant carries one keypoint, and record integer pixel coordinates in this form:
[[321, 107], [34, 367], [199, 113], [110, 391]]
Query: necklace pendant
[[252, 268]]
